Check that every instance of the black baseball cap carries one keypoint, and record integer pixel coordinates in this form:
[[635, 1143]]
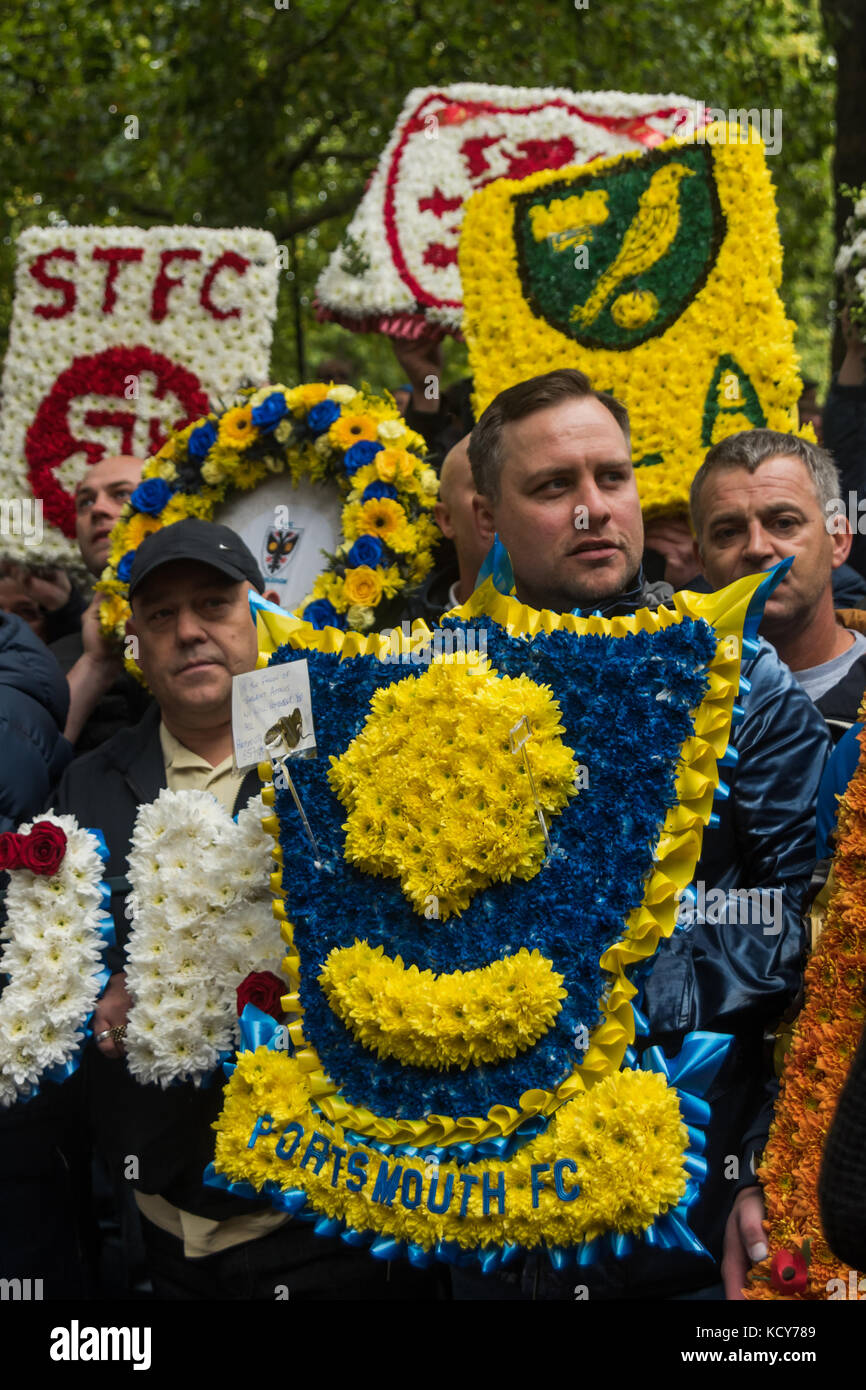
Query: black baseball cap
[[193, 539]]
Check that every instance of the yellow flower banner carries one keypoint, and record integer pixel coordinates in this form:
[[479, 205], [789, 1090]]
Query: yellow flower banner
[[655, 273]]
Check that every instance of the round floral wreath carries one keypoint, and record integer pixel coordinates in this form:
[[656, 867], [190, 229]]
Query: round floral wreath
[[319, 432], [54, 936]]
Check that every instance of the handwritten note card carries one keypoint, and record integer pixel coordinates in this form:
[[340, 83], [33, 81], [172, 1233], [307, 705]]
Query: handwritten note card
[[260, 699]]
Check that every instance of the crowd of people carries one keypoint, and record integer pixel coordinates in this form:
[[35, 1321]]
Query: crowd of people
[[86, 739]]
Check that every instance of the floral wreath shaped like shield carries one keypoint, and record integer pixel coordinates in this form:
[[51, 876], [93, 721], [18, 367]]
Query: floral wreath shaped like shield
[[414, 1110], [634, 269]]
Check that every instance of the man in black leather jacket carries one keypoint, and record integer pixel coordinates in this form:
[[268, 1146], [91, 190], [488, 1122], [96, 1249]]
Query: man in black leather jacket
[[551, 462]]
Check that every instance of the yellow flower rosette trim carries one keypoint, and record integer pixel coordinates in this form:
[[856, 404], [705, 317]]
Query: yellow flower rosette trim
[[625, 1142], [682, 385], [442, 1021], [676, 854], [233, 463]]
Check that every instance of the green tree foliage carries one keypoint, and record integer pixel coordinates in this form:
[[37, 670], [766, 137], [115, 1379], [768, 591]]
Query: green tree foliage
[[250, 113]]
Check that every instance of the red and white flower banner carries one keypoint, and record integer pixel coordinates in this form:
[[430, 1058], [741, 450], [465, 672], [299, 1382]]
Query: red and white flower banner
[[118, 335], [395, 270]]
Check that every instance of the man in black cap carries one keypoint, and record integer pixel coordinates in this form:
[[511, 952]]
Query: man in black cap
[[188, 590]]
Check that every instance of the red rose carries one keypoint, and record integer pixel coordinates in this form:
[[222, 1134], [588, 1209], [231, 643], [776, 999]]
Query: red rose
[[43, 849], [265, 990], [10, 850], [789, 1272]]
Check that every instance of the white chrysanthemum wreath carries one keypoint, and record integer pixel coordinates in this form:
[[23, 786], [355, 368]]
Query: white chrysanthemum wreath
[[202, 922], [54, 934]]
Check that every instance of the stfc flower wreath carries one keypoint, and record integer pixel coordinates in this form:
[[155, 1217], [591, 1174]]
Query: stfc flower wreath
[[465, 1076], [119, 334], [317, 431]]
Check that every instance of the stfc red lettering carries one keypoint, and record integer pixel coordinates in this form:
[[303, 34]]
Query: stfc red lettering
[[115, 256], [114, 259], [165, 283], [54, 282], [229, 260]]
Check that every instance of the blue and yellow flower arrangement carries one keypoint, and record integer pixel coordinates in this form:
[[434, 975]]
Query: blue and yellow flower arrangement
[[461, 1074], [319, 432]]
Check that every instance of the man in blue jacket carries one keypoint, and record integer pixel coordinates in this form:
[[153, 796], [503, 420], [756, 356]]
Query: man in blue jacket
[[34, 699], [552, 466]]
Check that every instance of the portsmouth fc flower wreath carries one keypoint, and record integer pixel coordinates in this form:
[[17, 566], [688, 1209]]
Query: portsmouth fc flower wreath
[[317, 431], [464, 1077]]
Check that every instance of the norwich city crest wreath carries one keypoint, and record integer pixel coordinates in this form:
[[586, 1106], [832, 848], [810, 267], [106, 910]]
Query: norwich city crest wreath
[[317, 432], [500, 820], [657, 273]]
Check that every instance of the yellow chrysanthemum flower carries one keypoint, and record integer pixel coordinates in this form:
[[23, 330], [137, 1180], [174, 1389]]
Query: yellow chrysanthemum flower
[[113, 612], [381, 516], [351, 429], [331, 587], [139, 526], [236, 429], [301, 399], [248, 472]]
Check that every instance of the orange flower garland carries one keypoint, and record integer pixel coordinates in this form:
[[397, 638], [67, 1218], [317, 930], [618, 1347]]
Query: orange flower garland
[[816, 1068]]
